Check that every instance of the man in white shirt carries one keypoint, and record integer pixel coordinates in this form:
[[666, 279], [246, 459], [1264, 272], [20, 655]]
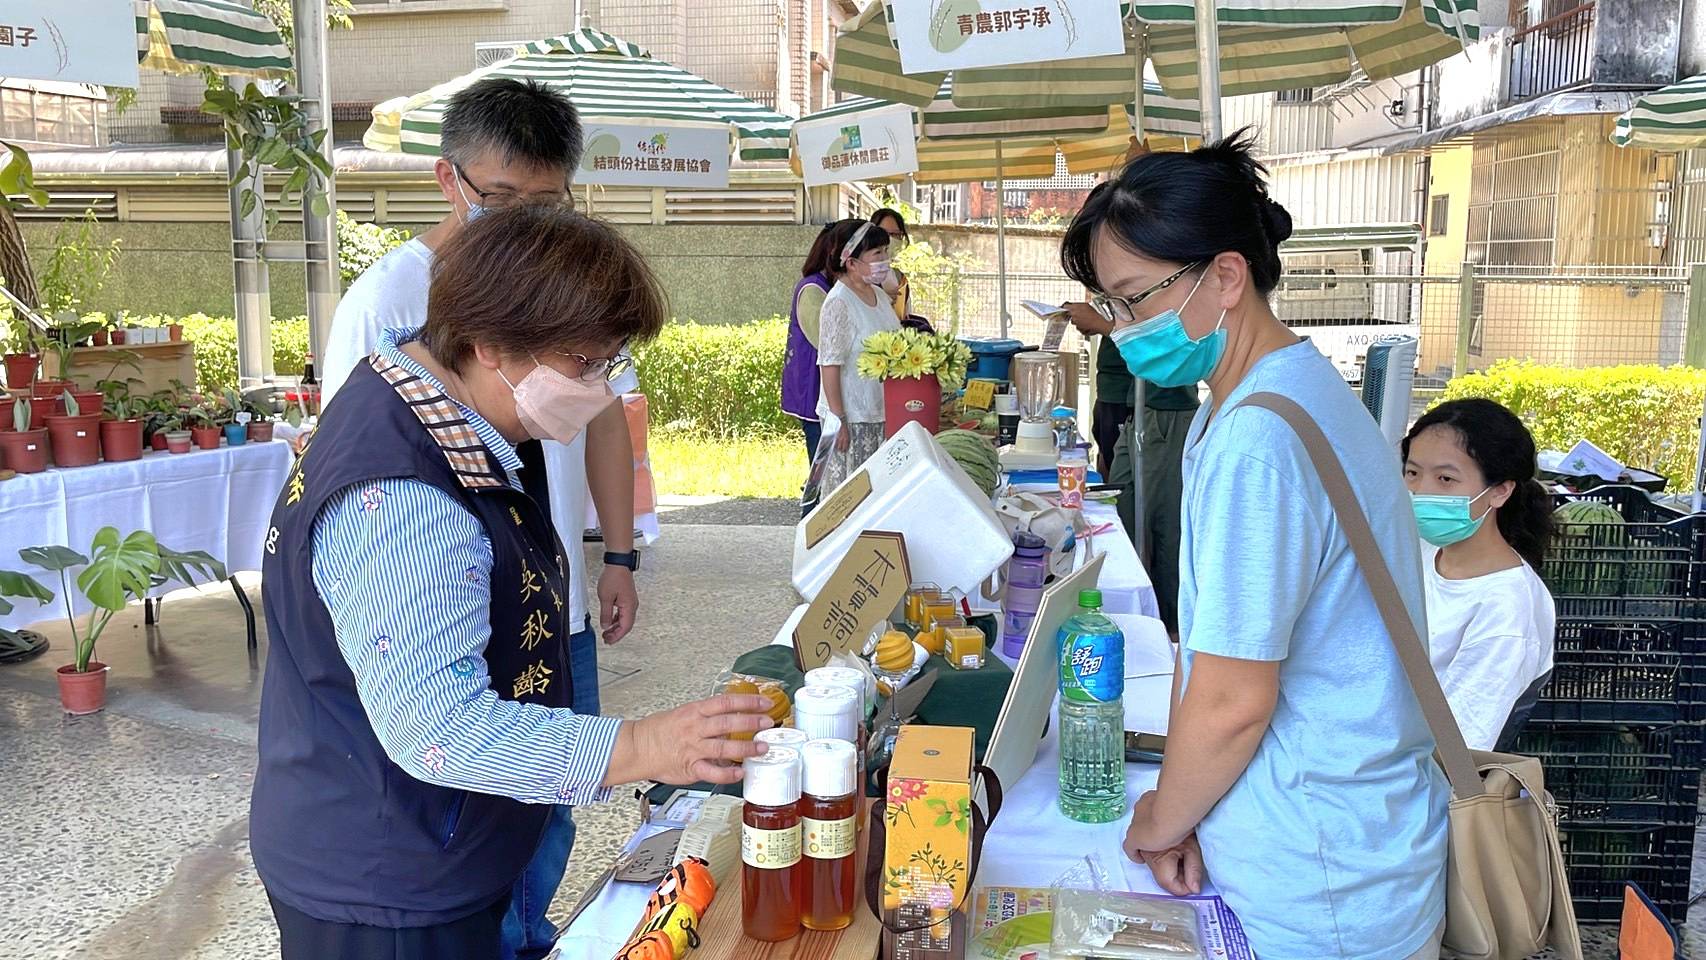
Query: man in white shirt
[[504, 143]]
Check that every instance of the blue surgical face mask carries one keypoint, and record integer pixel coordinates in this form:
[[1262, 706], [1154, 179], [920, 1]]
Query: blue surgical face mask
[[475, 210], [1160, 351], [1444, 520]]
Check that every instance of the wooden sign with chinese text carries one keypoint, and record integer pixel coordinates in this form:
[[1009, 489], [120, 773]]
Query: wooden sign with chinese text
[[864, 589]]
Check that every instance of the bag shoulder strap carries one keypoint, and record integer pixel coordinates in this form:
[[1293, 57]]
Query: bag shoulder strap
[[1453, 753]]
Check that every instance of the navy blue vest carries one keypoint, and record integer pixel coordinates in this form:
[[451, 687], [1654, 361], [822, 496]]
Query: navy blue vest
[[338, 831]]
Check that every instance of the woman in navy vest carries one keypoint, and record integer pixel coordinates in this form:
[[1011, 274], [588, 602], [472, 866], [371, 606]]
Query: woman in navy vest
[[415, 725]]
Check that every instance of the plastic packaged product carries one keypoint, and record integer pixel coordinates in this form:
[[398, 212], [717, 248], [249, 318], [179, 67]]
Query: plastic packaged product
[[714, 837], [1124, 926], [781, 708]]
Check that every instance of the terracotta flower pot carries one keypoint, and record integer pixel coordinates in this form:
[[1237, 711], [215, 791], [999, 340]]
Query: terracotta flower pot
[[7, 402], [88, 401], [178, 441], [50, 389], [76, 440], [206, 438], [121, 440], [236, 434], [175, 331], [157, 440], [24, 452], [100, 338], [118, 338], [260, 431], [21, 369], [81, 693], [911, 400]]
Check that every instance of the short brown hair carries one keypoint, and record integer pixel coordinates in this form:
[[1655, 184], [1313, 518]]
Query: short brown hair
[[537, 277]]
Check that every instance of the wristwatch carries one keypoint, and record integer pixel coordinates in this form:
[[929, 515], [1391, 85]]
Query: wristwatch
[[631, 559]]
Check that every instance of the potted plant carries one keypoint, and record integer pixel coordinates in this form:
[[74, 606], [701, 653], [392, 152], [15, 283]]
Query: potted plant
[[68, 333], [16, 646], [175, 332], [76, 436], [21, 367], [233, 420], [178, 437], [23, 448], [6, 401], [203, 425], [157, 407], [255, 418], [114, 573], [915, 369], [121, 428]]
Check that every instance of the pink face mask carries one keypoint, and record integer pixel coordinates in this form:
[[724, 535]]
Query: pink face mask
[[552, 406]]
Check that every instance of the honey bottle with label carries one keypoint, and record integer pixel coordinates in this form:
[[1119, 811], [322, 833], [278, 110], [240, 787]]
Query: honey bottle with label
[[828, 814], [771, 874]]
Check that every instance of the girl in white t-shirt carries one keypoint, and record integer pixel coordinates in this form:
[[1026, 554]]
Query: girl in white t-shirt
[[1485, 522], [854, 309]]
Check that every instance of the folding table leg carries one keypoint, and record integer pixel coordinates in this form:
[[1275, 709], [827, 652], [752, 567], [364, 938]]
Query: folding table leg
[[248, 611]]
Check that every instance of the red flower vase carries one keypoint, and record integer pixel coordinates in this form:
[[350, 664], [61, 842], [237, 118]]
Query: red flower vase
[[911, 400]]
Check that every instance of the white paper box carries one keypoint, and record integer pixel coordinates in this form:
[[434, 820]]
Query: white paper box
[[953, 537]]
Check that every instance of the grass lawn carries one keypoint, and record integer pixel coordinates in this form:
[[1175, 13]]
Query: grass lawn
[[685, 465]]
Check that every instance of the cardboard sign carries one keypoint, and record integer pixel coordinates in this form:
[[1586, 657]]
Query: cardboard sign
[[867, 145], [864, 589], [980, 394], [655, 155], [957, 34], [833, 512], [89, 41], [650, 860]]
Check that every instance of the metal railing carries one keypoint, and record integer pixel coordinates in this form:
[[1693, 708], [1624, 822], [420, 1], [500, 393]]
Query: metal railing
[[1552, 55]]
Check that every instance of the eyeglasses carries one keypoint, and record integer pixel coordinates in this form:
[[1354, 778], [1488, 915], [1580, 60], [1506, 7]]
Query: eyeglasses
[[503, 199], [599, 368], [1122, 309]]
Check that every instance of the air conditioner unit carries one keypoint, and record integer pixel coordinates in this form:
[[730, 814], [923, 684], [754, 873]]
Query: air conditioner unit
[[1389, 377], [488, 52]]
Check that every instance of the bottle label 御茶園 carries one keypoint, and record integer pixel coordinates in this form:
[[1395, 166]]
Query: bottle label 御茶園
[[770, 849], [828, 839]]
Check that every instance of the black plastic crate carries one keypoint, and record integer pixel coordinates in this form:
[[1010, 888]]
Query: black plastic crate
[[1633, 672], [1602, 859], [1620, 774], [1640, 568]]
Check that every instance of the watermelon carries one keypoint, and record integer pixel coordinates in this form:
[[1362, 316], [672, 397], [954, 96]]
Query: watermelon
[[1588, 542], [975, 455]]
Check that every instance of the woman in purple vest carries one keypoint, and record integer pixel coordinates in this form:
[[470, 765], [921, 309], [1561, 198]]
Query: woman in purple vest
[[799, 367], [415, 722]]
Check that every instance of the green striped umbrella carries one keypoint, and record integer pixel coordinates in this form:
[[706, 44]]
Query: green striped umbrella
[[608, 79], [182, 36], [1265, 45], [1673, 118], [957, 144]]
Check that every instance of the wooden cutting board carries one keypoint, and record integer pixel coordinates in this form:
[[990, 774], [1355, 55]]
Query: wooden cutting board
[[721, 937]]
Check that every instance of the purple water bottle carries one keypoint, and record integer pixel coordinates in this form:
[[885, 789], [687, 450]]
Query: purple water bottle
[[1026, 573]]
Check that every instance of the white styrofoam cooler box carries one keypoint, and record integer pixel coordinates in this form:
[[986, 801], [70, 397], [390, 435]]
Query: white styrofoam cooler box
[[953, 537]]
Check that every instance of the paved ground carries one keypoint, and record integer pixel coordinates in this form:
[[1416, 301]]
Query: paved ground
[[127, 831]]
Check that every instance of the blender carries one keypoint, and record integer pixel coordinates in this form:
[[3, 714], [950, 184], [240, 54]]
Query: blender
[[1036, 384]]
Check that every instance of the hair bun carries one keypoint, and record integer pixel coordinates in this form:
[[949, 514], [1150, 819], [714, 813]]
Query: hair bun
[[1275, 220]]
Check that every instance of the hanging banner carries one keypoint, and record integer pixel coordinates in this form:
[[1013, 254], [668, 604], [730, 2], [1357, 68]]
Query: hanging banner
[[89, 41], [638, 154], [868, 145], [937, 35]]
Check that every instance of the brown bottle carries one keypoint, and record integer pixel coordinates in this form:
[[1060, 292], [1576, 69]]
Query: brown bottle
[[828, 814], [771, 874]]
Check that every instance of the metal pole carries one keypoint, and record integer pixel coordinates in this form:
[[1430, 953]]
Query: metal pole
[[1000, 244], [1208, 69], [1138, 51], [1139, 387], [319, 233], [250, 279]]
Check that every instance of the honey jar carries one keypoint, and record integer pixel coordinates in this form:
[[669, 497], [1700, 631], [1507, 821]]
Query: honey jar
[[964, 647]]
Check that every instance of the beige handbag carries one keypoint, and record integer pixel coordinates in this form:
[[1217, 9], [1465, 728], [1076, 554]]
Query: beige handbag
[[1507, 893]]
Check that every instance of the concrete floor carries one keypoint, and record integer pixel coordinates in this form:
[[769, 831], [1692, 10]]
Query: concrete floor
[[127, 831]]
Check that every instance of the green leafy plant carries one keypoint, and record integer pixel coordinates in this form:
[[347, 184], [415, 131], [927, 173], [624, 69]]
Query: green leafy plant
[[72, 407], [78, 267], [21, 414], [201, 415], [67, 334], [360, 245], [1645, 416], [115, 572], [238, 403], [120, 403], [21, 586], [271, 130], [934, 281]]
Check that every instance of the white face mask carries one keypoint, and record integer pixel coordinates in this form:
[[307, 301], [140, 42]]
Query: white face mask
[[877, 273]]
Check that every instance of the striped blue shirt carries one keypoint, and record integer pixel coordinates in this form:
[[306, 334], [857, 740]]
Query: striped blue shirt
[[404, 573]]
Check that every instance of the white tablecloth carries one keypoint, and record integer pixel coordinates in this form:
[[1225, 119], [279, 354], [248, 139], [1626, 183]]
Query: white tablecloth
[[213, 500], [1031, 844], [1125, 585]]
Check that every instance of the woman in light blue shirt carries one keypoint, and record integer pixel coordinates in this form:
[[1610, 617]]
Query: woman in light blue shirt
[[1299, 771]]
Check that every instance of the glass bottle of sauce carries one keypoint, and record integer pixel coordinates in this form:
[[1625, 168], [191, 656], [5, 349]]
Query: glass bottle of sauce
[[828, 812], [771, 875]]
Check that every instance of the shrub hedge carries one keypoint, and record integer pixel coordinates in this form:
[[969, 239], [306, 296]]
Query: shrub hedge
[[1645, 416], [710, 379]]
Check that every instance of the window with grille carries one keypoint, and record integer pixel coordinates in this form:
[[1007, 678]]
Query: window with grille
[[1439, 215], [1513, 200]]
